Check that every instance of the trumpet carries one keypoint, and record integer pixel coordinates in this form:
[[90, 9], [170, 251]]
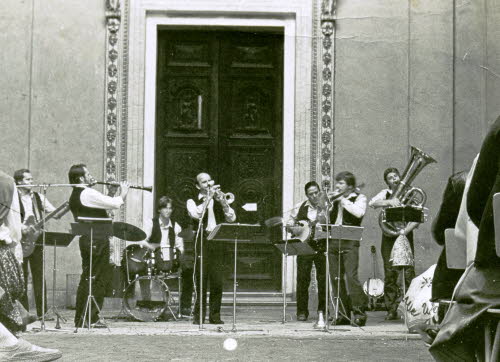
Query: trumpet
[[222, 197], [144, 188]]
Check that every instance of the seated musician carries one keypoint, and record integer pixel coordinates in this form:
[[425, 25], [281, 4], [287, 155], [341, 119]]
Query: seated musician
[[162, 239], [308, 211], [349, 207], [162, 234]]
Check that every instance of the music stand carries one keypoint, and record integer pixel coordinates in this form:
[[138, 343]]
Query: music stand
[[101, 228], [338, 233], [234, 233], [56, 239], [290, 247]]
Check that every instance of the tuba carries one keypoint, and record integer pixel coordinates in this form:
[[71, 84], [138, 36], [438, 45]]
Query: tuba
[[405, 193]]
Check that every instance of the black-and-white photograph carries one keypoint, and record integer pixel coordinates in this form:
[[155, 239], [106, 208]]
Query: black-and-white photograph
[[236, 180]]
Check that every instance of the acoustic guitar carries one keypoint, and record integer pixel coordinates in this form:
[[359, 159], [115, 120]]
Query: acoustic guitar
[[34, 229]]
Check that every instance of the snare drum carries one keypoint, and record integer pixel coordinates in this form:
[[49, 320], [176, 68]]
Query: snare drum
[[166, 266], [136, 259], [146, 298]]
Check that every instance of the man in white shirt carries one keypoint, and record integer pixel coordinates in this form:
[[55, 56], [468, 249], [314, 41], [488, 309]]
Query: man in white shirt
[[349, 208], [213, 213], [392, 292], [87, 202], [32, 204]]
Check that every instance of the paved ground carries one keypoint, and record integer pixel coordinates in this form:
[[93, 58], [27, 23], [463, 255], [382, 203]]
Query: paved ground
[[260, 335]]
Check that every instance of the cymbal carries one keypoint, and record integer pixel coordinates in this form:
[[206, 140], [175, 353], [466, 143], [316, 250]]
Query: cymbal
[[128, 232]]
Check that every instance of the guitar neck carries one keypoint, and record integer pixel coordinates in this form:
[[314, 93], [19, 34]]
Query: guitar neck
[[60, 209]]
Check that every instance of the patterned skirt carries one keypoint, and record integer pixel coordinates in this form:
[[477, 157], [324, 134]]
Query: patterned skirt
[[11, 290]]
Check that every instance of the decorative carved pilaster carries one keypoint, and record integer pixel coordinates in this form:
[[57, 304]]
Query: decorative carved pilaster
[[327, 91], [111, 114]]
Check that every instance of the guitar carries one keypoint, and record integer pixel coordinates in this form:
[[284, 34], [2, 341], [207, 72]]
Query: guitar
[[34, 229], [373, 287]]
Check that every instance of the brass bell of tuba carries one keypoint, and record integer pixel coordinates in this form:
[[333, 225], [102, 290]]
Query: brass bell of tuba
[[405, 193]]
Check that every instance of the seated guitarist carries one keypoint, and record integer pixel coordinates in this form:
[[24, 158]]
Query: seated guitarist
[[32, 204], [308, 211]]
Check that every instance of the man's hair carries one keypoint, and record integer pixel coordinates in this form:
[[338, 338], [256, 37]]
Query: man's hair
[[75, 172], [346, 176], [309, 185], [19, 175], [163, 202], [390, 170]]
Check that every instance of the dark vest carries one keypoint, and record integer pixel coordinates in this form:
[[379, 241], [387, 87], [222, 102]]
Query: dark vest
[[156, 233], [78, 209], [302, 213], [347, 217], [38, 204], [218, 212]]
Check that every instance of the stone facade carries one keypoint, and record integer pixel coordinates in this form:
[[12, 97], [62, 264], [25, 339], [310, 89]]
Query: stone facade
[[363, 81]]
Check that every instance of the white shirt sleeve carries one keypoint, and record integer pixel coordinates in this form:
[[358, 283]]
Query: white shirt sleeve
[[179, 242], [148, 229], [230, 215], [356, 208], [193, 210], [380, 196], [46, 203], [93, 198]]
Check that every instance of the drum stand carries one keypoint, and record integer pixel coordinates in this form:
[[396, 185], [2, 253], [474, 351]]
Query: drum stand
[[284, 274]]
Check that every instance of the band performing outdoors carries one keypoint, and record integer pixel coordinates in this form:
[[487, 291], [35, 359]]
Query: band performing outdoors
[[161, 277]]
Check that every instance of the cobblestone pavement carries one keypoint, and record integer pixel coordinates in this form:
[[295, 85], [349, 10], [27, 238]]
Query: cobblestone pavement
[[260, 334]]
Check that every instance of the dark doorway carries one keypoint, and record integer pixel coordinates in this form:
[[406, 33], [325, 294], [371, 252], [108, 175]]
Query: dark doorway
[[219, 110]]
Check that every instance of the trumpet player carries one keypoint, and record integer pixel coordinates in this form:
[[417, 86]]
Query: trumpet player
[[212, 205], [349, 208], [383, 199]]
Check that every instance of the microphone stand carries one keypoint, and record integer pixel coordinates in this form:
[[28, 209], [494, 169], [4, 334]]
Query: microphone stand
[[200, 234]]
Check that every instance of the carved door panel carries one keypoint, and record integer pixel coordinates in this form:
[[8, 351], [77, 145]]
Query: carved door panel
[[219, 110]]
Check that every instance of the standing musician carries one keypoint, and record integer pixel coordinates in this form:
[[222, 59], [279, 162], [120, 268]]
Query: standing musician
[[392, 292], [87, 202], [32, 204], [308, 211], [349, 207], [217, 210]]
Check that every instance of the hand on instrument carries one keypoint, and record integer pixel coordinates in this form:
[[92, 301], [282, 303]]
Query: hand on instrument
[[124, 186], [145, 244], [393, 202]]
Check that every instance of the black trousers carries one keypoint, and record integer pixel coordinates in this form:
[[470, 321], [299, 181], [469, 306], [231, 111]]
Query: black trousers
[[187, 287], [445, 280], [101, 273], [392, 292], [344, 265], [304, 266], [212, 279], [35, 263]]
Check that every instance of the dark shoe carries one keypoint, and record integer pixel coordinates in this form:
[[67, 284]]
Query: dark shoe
[[392, 316], [301, 317], [216, 321], [427, 332], [185, 312], [341, 322], [359, 321]]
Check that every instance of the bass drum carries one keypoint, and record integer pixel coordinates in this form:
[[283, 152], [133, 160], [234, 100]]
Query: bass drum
[[146, 298]]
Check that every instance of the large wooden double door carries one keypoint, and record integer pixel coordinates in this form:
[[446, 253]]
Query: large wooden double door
[[219, 110]]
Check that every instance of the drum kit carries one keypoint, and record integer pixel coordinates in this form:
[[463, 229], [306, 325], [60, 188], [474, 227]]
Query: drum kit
[[146, 296]]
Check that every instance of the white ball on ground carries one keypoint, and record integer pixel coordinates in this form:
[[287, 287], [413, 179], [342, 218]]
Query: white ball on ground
[[230, 344]]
